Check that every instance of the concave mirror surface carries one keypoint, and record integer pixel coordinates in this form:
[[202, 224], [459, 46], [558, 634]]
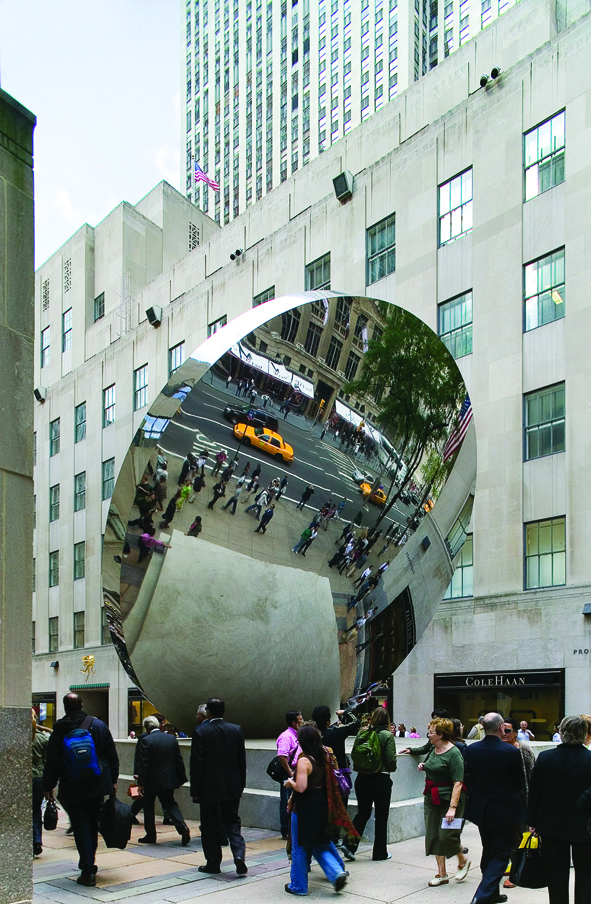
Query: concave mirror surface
[[351, 418]]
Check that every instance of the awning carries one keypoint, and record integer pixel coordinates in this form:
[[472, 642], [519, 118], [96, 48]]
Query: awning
[[273, 369]]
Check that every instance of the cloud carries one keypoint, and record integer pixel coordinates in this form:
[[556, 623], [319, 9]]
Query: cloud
[[64, 204]]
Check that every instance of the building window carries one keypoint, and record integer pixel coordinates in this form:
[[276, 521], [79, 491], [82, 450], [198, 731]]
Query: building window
[[78, 629], [34, 511], [67, 330], [462, 582], [455, 207], [459, 530], [334, 353], [381, 249], [544, 156], [544, 290], [351, 366], [80, 422], [545, 553], [54, 632], [108, 478], [455, 325], [80, 491], [79, 561], [216, 325], [45, 346], [105, 633], [54, 502], [313, 339], [54, 437], [140, 388], [35, 448], [290, 322], [109, 405], [267, 295], [176, 356], [544, 422], [318, 273], [54, 568], [99, 306]]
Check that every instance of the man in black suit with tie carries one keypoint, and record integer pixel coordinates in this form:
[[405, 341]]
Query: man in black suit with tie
[[495, 779], [160, 769], [218, 778]]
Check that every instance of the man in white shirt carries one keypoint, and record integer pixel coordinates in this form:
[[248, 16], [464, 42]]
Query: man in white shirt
[[524, 734]]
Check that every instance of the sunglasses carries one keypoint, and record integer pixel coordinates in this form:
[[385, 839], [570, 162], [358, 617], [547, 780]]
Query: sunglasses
[[508, 730]]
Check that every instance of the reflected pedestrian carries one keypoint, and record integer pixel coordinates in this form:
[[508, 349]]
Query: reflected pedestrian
[[219, 490], [266, 517]]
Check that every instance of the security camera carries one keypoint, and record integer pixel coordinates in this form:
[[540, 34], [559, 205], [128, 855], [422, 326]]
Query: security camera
[[236, 255], [495, 72], [483, 80]]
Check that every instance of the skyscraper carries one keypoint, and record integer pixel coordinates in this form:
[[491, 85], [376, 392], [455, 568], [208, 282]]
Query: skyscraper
[[270, 84]]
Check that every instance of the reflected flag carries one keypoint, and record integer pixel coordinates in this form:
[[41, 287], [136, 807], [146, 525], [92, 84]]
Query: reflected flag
[[200, 176], [457, 435]]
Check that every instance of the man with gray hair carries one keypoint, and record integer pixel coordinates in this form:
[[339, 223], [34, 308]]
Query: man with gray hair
[[495, 804], [160, 769]]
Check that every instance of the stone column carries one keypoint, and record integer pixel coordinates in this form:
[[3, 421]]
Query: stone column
[[17, 292]]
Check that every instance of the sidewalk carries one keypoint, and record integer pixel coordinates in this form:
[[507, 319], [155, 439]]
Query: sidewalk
[[168, 873]]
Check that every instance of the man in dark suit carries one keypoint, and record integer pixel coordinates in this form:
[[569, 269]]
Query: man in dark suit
[[218, 778], [495, 805], [160, 769]]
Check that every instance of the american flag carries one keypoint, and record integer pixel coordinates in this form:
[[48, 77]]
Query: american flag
[[458, 433], [200, 176]]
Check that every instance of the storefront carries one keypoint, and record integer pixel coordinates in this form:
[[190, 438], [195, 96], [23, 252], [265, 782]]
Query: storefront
[[536, 696], [44, 706]]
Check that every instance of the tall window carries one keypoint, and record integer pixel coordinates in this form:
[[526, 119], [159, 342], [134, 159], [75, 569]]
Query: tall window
[[290, 321], [216, 325], [108, 478], [54, 568], [313, 339], [267, 295], [455, 325], [54, 634], [67, 330], [79, 560], [334, 353], [544, 290], [545, 422], [99, 306], [34, 511], [33, 638], [318, 273], [459, 531], [140, 387], [80, 491], [108, 405], [80, 422], [176, 356], [105, 633], [45, 346], [351, 366], [462, 583], [544, 156], [78, 630], [381, 249], [54, 437], [455, 207], [54, 502], [545, 553]]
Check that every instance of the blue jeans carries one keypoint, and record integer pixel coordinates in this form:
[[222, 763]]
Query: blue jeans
[[37, 801], [326, 854], [84, 816]]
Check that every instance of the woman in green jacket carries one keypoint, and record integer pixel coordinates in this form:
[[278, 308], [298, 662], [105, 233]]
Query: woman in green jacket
[[39, 748]]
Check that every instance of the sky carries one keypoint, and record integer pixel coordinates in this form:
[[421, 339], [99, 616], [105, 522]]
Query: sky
[[102, 78]]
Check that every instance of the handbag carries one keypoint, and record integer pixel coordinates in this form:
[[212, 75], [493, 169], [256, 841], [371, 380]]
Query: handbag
[[50, 816], [115, 823], [527, 863], [344, 781], [276, 771]]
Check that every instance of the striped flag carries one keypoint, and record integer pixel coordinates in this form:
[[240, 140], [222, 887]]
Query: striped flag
[[458, 433], [200, 176]]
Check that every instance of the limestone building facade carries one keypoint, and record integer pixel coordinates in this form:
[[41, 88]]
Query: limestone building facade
[[470, 209]]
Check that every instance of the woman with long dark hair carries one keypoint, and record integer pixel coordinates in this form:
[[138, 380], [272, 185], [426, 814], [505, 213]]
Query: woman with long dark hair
[[316, 811]]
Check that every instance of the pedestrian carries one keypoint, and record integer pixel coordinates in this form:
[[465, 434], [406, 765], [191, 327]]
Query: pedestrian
[[161, 470], [253, 396], [189, 464], [286, 411], [363, 576], [340, 508], [254, 477], [238, 387], [266, 517], [233, 500], [148, 542], [200, 465], [259, 501], [308, 542], [228, 380], [184, 495], [510, 732], [218, 779], [282, 488], [219, 490], [198, 484], [228, 472], [220, 458], [83, 783], [160, 770], [306, 495], [358, 563], [245, 470], [265, 400], [334, 735], [477, 732], [288, 750], [306, 538], [39, 752], [495, 803], [195, 528], [524, 734]]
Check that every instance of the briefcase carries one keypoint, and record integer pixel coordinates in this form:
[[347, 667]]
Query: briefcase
[[115, 823]]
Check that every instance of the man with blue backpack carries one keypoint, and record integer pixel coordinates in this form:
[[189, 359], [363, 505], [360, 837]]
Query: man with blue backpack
[[81, 755]]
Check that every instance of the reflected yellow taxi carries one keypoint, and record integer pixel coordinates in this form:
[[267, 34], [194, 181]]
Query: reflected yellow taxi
[[265, 440], [378, 497]]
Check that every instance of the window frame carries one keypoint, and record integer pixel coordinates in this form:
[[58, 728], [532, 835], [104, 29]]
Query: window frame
[[382, 253], [461, 207], [66, 330], [460, 332], [79, 561], [109, 403], [54, 568], [323, 261], [548, 158], [99, 307], [263, 297], [45, 346], [216, 325], [553, 422], [79, 422], [552, 289], [105, 627], [171, 357], [140, 389], [54, 437], [107, 479], [54, 503], [334, 340], [79, 494], [77, 630], [459, 570], [53, 635], [553, 552]]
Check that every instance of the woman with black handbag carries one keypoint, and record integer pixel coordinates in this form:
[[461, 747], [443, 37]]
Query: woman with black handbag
[[558, 780]]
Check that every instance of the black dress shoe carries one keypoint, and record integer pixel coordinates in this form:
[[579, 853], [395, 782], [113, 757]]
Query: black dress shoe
[[37, 848], [88, 879], [167, 821], [185, 836], [289, 891], [145, 840], [206, 868], [498, 899], [135, 821], [241, 867]]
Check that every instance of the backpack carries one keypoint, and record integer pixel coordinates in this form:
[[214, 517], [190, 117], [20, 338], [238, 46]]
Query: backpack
[[79, 753], [306, 534], [367, 751]]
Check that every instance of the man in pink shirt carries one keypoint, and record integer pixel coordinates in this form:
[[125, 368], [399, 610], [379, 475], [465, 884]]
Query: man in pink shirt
[[288, 751]]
